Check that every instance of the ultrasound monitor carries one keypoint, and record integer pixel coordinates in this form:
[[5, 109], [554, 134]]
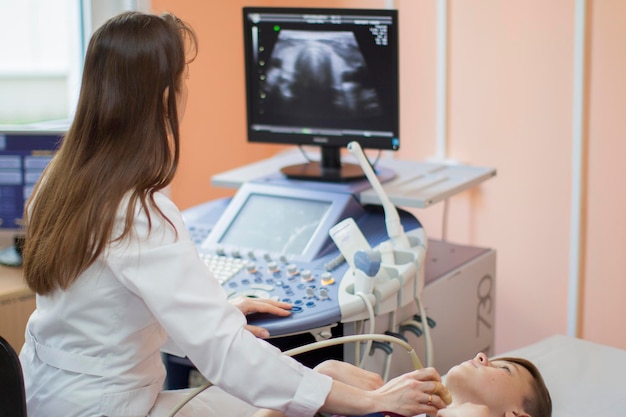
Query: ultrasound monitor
[[322, 77]]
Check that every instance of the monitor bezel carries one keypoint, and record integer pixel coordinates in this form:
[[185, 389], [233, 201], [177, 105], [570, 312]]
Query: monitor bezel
[[328, 141]]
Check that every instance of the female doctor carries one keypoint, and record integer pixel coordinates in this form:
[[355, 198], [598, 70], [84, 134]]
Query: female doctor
[[118, 278]]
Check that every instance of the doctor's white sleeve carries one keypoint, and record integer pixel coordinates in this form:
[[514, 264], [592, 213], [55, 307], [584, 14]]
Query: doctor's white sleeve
[[194, 310]]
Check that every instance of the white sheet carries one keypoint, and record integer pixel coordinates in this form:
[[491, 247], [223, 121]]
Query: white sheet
[[585, 379]]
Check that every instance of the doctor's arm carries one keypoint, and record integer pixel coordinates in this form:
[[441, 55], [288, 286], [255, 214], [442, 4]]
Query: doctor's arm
[[416, 392], [350, 374], [357, 392]]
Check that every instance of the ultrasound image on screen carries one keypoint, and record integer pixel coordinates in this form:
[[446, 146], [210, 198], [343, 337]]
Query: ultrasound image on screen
[[275, 224], [319, 74]]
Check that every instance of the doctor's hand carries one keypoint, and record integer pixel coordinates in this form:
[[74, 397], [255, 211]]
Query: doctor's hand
[[260, 305], [416, 392], [350, 374]]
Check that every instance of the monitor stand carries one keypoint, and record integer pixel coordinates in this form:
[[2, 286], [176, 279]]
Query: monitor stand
[[329, 168]]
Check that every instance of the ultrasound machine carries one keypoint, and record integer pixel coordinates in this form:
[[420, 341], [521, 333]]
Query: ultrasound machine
[[324, 232], [329, 236], [305, 232]]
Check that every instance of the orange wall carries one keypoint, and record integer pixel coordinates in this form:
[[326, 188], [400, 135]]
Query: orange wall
[[510, 104]]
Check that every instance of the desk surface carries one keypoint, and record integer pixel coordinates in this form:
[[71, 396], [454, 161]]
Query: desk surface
[[12, 285]]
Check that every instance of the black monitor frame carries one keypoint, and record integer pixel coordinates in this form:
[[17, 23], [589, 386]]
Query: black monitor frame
[[368, 110]]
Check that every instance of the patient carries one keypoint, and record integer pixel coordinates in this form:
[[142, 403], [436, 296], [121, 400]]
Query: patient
[[510, 387], [503, 387]]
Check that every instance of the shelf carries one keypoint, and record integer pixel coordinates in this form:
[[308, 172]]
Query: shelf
[[407, 183]]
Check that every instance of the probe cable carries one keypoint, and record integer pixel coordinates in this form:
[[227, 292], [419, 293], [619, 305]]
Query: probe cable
[[430, 360], [387, 365], [372, 319], [423, 325]]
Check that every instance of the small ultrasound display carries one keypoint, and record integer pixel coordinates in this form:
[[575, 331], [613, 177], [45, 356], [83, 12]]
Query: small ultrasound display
[[275, 224]]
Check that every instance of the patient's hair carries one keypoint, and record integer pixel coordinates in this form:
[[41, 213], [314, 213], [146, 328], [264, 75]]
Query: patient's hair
[[539, 404]]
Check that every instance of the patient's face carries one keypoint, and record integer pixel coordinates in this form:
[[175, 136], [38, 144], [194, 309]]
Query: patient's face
[[498, 384]]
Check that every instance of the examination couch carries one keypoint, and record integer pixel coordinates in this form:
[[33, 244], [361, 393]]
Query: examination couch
[[584, 378]]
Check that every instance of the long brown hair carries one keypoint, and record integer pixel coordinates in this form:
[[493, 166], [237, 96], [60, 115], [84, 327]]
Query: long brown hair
[[124, 140]]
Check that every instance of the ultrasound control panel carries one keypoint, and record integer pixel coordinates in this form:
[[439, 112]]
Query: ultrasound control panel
[[272, 241]]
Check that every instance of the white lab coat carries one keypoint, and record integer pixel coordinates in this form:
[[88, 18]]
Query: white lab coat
[[94, 349]]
